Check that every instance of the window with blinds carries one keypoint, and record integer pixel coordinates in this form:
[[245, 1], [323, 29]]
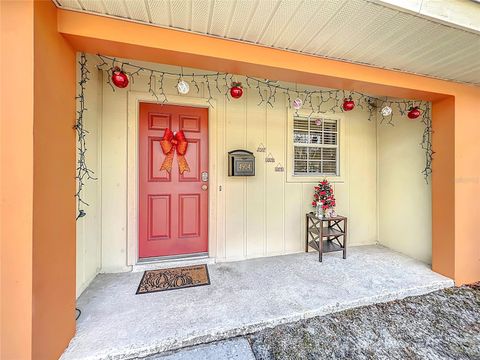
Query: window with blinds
[[315, 145]]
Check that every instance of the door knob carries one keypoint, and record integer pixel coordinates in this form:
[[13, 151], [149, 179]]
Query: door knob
[[204, 187], [205, 176]]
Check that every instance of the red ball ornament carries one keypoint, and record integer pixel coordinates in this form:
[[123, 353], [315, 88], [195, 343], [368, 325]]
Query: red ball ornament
[[119, 78], [236, 91], [414, 113], [348, 104]]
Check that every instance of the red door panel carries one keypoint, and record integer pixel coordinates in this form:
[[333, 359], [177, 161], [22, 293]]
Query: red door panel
[[173, 207]]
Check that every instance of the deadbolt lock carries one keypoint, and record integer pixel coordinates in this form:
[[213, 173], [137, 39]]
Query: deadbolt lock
[[205, 176]]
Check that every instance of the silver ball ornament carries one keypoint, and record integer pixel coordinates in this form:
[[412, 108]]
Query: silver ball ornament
[[183, 87], [386, 111]]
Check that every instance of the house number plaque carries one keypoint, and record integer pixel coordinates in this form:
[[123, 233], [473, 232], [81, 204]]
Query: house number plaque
[[241, 163]]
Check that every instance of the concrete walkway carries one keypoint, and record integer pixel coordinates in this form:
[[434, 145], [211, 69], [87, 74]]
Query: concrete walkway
[[232, 349], [243, 297]]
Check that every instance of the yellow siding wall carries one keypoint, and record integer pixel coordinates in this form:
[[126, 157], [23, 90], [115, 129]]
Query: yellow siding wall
[[89, 227], [404, 199], [257, 216], [261, 215], [264, 215]]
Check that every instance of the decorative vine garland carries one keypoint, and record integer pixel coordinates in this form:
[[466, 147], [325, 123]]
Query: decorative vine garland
[[317, 101], [83, 172], [427, 143]]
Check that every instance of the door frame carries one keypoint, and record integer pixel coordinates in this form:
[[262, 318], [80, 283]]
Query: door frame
[[134, 99]]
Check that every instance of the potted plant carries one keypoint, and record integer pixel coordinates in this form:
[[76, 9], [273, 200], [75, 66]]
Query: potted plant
[[323, 198]]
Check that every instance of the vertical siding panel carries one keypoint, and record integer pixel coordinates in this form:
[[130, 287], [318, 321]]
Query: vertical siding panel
[[221, 175], [88, 228], [265, 183], [307, 196], [245, 183], [114, 184], [274, 191], [293, 218], [256, 185], [303, 211], [362, 204], [235, 186]]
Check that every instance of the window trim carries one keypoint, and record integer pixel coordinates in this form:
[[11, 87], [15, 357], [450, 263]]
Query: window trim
[[342, 140]]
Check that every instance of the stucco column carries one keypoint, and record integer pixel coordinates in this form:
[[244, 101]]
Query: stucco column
[[37, 183], [16, 179]]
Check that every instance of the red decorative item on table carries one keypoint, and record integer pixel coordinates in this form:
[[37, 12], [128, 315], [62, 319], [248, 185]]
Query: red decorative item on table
[[324, 196], [119, 78], [236, 91], [414, 112], [348, 104]]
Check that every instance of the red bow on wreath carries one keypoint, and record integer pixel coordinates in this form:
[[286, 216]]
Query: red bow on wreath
[[169, 144]]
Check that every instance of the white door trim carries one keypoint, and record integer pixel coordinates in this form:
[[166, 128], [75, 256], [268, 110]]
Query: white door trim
[[134, 98]]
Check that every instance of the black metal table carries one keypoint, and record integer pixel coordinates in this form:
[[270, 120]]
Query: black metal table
[[326, 234]]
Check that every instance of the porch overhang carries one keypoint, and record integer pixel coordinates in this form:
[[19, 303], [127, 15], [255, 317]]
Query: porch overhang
[[97, 34]]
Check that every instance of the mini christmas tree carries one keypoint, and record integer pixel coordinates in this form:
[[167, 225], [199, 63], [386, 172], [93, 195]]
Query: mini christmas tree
[[324, 195]]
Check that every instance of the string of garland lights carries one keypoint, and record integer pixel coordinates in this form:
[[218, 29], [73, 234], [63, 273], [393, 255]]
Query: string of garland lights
[[83, 172], [120, 72]]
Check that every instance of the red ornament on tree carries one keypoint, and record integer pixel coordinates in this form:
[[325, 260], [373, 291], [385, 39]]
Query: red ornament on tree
[[348, 104], [236, 91], [414, 112], [119, 78]]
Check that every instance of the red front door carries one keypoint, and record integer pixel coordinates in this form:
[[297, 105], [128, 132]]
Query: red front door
[[173, 207]]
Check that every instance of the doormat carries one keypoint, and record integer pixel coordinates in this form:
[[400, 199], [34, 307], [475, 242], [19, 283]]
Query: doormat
[[173, 278]]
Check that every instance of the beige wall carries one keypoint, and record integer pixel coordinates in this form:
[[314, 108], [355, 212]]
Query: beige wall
[[404, 199], [89, 227], [257, 216]]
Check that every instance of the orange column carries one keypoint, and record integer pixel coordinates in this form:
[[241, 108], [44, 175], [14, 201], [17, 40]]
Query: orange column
[[467, 186], [37, 153], [54, 244], [443, 187], [16, 179]]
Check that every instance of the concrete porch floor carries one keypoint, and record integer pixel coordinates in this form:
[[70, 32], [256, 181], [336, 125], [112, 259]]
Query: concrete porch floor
[[243, 297]]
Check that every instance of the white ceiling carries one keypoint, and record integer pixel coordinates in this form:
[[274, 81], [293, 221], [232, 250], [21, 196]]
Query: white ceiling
[[358, 31]]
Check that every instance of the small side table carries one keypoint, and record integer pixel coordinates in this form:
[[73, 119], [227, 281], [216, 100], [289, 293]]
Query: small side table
[[326, 234]]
